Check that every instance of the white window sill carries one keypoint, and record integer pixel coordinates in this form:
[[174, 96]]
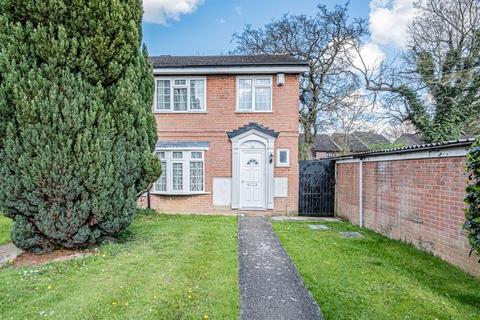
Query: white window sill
[[283, 166], [179, 193], [246, 111], [181, 112]]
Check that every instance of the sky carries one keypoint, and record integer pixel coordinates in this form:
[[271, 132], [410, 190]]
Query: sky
[[205, 27]]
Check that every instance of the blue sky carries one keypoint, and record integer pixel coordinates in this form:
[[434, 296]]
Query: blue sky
[[206, 27]]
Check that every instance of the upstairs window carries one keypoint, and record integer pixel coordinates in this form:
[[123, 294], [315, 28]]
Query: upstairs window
[[254, 94], [180, 94], [163, 95]]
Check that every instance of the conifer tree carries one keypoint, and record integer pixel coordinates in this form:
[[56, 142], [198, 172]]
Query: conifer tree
[[76, 129]]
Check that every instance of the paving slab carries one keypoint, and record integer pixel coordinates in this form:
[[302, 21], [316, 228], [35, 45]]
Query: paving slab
[[270, 286], [351, 234], [318, 227], [9, 252], [305, 219]]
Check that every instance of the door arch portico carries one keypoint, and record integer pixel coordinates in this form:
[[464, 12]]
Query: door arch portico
[[252, 169]]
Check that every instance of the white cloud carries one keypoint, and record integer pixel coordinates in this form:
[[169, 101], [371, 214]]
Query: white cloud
[[389, 21], [160, 11], [221, 21], [238, 10], [372, 56]]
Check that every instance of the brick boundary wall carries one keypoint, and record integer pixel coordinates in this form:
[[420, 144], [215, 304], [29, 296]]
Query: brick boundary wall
[[416, 198]]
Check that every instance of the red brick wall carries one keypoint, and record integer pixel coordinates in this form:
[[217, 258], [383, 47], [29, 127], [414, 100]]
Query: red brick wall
[[417, 201], [213, 126]]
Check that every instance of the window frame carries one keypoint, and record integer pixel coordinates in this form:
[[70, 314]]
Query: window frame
[[173, 86], [254, 86], [186, 159], [280, 164]]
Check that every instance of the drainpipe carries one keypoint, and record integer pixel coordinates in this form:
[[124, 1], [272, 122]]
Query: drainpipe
[[149, 204], [360, 192]]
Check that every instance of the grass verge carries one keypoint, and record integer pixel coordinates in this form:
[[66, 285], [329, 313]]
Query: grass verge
[[169, 267], [5, 226], [375, 277]]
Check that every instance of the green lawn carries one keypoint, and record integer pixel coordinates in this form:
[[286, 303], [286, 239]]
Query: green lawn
[[169, 267], [5, 224], [375, 277]]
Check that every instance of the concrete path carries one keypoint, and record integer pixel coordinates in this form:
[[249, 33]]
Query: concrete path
[[8, 252], [270, 286]]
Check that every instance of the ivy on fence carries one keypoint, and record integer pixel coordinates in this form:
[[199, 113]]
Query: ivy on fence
[[472, 224]]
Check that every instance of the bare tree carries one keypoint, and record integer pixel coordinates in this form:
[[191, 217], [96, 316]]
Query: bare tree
[[357, 113], [394, 129], [439, 79], [322, 41]]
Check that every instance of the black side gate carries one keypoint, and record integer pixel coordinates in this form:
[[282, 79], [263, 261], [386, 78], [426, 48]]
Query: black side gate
[[317, 188]]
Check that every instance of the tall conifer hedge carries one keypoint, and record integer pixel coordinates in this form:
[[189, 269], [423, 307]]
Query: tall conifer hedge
[[76, 129]]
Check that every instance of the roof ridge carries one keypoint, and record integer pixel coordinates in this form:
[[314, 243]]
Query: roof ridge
[[361, 141], [334, 143]]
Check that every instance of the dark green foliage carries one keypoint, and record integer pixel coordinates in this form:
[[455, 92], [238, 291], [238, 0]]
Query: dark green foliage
[[442, 86], [472, 225], [455, 102], [76, 130]]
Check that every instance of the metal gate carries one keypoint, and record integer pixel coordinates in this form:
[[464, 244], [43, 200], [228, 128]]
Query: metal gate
[[317, 187]]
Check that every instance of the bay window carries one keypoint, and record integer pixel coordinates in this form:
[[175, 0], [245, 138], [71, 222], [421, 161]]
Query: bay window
[[175, 94], [254, 94], [183, 172]]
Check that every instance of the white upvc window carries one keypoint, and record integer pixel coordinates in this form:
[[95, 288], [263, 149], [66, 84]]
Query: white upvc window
[[254, 94], [161, 184], [180, 94], [283, 157], [183, 172]]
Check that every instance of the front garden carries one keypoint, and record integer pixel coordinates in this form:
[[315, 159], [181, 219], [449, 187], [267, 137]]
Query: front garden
[[168, 267], [185, 267], [375, 277]]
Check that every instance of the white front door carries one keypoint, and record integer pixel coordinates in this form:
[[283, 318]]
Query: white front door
[[252, 179]]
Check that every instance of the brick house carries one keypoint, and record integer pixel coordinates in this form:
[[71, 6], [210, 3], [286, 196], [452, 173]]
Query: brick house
[[227, 133]]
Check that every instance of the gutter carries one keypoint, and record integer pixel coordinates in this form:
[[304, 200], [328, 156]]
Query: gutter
[[248, 69]]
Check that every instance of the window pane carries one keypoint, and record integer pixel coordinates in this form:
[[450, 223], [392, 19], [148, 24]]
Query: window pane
[[161, 184], [263, 99], [177, 155], [161, 154], [196, 94], [180, 82], [196, 176], [163, 94], [177, 175], [262, 82], [245, 94], [197, 155], [283, 156], [180, 99]]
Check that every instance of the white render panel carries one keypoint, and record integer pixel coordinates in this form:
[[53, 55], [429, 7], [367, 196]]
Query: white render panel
[[281, 187], [222, 191]]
